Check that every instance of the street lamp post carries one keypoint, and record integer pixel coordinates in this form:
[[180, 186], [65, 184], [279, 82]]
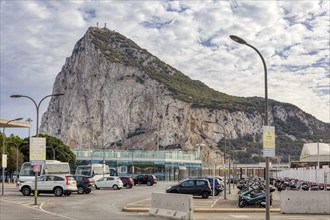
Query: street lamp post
[[101, 106], [225, 154], [29, 120], [241, 41], [37, 131], [36, 105], [17, 145], [3, 153]]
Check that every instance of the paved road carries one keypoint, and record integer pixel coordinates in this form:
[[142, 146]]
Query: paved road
[[100, 204], [108, 204]]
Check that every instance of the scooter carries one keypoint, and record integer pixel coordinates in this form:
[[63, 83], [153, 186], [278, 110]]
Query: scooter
[[251, 198]]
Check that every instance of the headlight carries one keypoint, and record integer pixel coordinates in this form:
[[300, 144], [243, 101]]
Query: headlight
[[168, 187]]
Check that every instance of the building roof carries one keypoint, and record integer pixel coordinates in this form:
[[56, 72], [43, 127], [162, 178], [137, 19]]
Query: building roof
[[14, 124], [315, 152]]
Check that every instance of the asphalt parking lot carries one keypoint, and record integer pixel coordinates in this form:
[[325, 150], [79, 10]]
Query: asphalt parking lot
[[109, 204]]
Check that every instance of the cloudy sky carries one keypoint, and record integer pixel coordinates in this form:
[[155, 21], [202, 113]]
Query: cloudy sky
[[192, 36]]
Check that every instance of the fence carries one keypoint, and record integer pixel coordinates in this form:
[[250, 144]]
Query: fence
[[311, 175]]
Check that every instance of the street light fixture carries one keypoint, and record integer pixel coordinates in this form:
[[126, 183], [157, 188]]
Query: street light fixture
[[3, 152], [225, 155], [17, 145], [37, 129], [241, 41], [36, 105]]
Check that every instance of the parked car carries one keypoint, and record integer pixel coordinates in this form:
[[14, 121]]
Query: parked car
[[195, 187], [57, 184], [148, 179], [217, 184], [113, 182], [85, 184], [128, 182]]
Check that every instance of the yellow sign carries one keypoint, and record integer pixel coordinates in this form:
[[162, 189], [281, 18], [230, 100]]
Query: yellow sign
[[37, 149], [268, 141]]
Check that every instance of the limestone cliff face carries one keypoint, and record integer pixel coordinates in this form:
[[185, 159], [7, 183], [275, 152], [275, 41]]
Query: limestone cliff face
[[113, 102]]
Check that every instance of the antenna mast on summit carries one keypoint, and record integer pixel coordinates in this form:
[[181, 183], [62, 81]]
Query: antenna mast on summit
[[105, 25]]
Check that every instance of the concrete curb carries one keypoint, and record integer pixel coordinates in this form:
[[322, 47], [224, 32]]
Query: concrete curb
[[126, 209], [209, 210]]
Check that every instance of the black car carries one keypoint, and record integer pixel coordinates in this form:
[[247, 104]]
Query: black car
[[217, 184], [148, 179], [85, 184], [195, 187]]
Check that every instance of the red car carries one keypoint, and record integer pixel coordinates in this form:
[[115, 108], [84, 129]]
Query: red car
[[127, 181]]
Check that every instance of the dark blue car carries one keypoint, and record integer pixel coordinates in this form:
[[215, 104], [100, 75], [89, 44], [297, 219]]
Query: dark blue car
[[217, 184]]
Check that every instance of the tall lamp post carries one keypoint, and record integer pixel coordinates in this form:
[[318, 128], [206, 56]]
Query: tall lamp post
[[3, 153], [225, 155], [241, 41], [36, 105], [37, 130], [101, 106], [17, 145]]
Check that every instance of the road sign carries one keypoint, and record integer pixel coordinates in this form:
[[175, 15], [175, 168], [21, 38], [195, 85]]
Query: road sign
[[36, 168], [37, 149], [268, 141], [4, 160]]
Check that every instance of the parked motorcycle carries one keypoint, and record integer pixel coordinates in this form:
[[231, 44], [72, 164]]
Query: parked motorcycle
[[253, 194]]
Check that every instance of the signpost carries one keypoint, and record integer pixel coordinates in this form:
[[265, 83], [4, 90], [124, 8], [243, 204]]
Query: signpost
[[4, 161], [268, 141], [37, 158]]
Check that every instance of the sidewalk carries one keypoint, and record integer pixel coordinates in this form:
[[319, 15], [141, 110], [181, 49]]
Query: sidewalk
[[230, 204], [216, 204]]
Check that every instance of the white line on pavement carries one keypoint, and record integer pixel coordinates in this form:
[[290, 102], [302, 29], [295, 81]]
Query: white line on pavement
[[55, 213]]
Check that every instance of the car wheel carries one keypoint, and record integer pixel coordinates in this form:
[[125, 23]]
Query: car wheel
[[205, 195], [149, 183], [80, 190], [115, 187], [26, 191], [216, 192], [128, 186], [58, 191]]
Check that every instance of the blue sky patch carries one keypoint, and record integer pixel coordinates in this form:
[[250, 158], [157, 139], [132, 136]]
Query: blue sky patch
[[156, 23], [88, 15]]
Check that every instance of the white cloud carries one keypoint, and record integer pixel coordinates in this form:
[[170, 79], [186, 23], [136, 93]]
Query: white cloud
[[192, 36]]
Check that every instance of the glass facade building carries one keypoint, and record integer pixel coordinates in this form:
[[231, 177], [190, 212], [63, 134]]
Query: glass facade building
[[166, 165]]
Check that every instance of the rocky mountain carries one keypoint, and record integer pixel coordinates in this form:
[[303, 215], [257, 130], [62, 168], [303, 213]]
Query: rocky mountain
[[120, 96]]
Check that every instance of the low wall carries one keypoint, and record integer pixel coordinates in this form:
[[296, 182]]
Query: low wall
[[313, 202], [170, 205]]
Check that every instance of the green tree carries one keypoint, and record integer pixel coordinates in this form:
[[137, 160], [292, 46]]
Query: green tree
[[11, 143], [54, 145]]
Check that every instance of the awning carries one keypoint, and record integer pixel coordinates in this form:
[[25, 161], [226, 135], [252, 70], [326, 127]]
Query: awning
[[14, 124]]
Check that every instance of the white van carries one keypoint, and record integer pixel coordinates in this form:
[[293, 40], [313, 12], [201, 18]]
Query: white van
[[51, 167], [95, 171]]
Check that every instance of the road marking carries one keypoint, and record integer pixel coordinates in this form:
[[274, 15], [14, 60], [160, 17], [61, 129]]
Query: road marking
[[240, 216], [35, 207], [51, 213]]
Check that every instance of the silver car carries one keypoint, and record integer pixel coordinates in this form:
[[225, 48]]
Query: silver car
[[109, 182], [57, 184]]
